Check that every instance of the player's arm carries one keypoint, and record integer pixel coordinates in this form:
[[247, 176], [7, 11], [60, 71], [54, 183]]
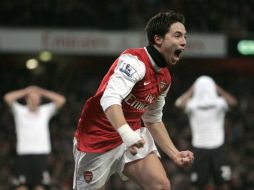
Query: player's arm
[[58, 99], [231, 100], [181, 102], [119, 86], [163, 140], [132, 139], [13, 96], [153, 121]]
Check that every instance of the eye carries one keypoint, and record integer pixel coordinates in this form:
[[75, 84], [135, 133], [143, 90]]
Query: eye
[[178, 34]]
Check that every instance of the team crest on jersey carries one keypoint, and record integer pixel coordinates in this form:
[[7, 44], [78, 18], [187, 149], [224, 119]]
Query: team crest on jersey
[[127, 69], [88, 176], [162, 86]]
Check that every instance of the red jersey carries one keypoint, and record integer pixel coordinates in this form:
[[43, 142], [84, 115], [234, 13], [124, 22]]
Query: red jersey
[[94, 132]]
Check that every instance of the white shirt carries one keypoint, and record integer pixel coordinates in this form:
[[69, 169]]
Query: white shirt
[[32, 128], [207, 123]]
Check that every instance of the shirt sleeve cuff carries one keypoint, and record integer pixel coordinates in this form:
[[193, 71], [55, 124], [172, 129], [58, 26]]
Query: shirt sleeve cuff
[[109, 101]]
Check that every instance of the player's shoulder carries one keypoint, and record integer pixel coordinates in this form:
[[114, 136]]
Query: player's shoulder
[[135, 51], [222, 102], [134, 54], [17, 105], [139, 54], [130, 62]]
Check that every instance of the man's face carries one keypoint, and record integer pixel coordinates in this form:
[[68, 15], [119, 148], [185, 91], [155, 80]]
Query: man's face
[[173, 43], [33, 101]]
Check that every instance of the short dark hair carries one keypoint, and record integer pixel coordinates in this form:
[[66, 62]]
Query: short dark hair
[[160, 24]]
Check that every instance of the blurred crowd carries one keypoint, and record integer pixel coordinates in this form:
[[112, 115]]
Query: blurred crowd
[[230, 17], [77, 81]]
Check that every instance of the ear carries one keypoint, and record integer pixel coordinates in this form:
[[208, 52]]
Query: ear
[[158, 40]]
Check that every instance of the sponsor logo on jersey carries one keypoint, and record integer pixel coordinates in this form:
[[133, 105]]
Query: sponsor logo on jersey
[[88, 176], [127, 69], [150, 98], [132, 101]]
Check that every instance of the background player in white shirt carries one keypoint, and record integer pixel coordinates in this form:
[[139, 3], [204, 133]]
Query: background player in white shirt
[[109, 137], [206, 104], [33, 136]]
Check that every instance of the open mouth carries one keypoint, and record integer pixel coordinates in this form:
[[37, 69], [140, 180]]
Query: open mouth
[[178, 52]]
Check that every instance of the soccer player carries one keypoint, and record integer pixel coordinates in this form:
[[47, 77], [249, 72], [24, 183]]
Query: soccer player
[[206, 104], [110, 137], [33, 138]]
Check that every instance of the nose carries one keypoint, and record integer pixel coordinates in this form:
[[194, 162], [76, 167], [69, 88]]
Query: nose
[[183, 42]]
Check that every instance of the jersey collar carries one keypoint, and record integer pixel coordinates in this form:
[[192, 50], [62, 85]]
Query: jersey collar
[[156, 68], [158, 59]]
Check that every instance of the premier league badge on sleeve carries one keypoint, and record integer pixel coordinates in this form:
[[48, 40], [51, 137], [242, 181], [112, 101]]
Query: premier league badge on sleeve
[[127, 69]]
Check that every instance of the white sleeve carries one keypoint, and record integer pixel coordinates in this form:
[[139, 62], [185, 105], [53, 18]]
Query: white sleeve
[[128, 72], [223, 104], [154, 112], [16, 107], [50, 108], [190, 106]]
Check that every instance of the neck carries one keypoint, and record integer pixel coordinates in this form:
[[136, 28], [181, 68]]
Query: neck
[[156, 56], [33, 109]]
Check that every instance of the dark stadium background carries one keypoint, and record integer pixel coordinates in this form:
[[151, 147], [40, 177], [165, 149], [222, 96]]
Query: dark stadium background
[[77, 76]]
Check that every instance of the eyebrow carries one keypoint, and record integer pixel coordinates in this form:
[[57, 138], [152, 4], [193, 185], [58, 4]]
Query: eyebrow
[[179, 32]]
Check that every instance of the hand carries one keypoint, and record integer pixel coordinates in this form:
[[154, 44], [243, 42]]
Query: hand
[[184, 158], [134, 148], [131, 138]]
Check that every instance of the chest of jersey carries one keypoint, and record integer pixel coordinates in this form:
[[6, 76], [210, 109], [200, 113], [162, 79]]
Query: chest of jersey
[[146, 91]]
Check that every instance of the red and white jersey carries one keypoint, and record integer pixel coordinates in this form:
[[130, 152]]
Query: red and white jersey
[[133, 81]]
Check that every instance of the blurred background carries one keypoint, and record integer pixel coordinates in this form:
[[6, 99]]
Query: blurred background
[[68, 45]]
